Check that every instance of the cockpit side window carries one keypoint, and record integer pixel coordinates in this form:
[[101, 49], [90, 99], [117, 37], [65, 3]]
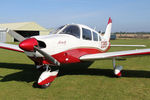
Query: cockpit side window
[[72, 30], [86, 34], [95, 36]]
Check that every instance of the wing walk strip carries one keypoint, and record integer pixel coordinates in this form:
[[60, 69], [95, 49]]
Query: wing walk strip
[[10, 47], [115, 54]]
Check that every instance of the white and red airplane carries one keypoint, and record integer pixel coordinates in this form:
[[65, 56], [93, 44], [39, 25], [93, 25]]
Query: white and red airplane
[[71, 43]]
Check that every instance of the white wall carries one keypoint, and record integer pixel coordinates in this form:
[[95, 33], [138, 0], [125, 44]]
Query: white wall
[[2, 35]]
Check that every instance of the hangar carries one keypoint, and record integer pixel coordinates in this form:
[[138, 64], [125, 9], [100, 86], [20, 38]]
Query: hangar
[[25, 29]]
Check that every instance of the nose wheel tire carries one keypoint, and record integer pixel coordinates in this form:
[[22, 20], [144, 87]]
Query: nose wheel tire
[[45, 86], [36, 85]]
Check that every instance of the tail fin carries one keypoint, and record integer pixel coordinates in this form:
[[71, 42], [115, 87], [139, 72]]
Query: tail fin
[[108, 30]]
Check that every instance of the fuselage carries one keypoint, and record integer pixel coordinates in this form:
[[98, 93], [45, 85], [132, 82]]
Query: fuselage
[[69, 43]]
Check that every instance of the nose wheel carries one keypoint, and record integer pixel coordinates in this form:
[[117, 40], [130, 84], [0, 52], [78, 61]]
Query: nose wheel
[[117, 69], [45, 85]]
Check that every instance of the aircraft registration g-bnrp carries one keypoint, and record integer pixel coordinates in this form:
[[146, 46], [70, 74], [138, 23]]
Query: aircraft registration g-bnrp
[[71, 43]]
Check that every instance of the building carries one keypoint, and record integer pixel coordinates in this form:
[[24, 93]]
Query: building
[[25, 29], [132, 35], [113, 37]]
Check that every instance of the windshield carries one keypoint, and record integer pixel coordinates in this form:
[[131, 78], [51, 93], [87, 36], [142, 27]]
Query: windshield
[[72, 30], [54, 31]]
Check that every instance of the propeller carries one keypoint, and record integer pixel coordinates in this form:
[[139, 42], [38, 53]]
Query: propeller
[[47, 56], [32, 44], [15, 35]]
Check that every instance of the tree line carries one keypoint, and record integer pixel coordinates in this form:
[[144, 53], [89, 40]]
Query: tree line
[[131, 33]]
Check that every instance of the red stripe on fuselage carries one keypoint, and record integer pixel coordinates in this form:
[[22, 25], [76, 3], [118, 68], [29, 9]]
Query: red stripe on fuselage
[[69, 56]]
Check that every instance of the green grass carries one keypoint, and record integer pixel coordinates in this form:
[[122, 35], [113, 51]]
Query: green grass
[[17, 74]]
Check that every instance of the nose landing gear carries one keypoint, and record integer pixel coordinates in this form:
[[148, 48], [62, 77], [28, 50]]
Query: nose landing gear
[[47, 77]]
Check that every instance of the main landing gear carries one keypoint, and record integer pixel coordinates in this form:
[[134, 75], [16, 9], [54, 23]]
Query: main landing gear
[[47, 76], [117, 69]]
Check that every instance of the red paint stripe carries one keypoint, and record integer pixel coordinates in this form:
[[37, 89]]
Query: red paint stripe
[[110, 20], [48, 80], [11, 49], [73, 55], [119, 74]]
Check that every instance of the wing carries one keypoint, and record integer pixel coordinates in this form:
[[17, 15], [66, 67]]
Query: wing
[[10, 47], [115, 54], [128, 45]]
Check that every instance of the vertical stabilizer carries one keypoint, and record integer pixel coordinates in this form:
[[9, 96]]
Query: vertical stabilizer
[[108, 30]]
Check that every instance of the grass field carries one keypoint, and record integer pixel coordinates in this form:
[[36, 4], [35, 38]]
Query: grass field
[[17, 74]]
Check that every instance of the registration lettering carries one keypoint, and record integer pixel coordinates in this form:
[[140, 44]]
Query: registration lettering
[[61, 42], [103, 44]]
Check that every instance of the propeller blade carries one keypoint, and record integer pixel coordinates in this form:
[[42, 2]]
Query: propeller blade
[[15, 35], [32, 44], [47, 56]]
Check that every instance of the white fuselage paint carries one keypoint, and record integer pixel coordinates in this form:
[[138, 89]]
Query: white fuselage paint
[[57, 43]]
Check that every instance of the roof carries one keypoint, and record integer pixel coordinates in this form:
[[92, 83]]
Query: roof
[[84, 26], [23, 26]]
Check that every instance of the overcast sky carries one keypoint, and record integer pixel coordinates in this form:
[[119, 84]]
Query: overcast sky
[[127, 15]]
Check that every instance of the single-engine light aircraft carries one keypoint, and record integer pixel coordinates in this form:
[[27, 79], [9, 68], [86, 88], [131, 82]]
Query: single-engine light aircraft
[[71, 43]]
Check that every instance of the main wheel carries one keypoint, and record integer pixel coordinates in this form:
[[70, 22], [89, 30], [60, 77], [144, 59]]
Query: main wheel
[[117, 71]]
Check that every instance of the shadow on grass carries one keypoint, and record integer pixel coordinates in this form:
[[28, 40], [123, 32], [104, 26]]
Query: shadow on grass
[[28, 73]]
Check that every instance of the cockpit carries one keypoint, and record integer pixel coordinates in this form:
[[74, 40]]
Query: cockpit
[[79, 31], [71, 30]]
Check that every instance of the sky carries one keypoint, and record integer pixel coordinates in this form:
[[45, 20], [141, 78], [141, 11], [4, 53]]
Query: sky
[[127, 15]]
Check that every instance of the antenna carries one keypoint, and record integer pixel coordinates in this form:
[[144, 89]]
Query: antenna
[[100, 31]]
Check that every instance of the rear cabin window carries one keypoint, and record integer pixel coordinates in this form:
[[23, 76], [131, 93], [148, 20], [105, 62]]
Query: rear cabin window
[[95, 36], [86, 34], [72, 30]]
